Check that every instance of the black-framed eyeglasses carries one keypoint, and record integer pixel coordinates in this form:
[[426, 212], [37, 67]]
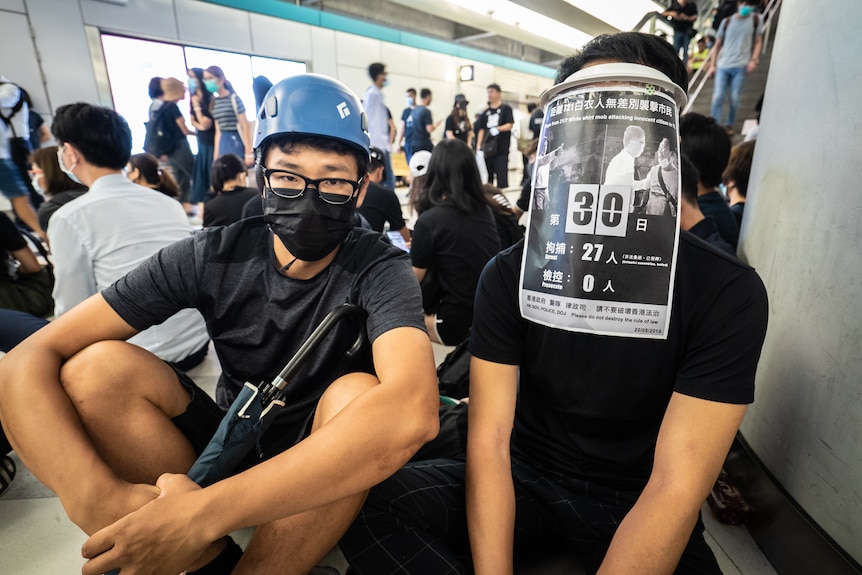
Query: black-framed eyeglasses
[[290, 185]]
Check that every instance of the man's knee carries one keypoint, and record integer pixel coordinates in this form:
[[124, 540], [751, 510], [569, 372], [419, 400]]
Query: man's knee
[[341, 392], [110, 370]]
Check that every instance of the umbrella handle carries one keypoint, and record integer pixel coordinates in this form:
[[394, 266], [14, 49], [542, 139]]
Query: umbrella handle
[[310, 344]]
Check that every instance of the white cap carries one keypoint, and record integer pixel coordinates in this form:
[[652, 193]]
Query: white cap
[[419, 163]]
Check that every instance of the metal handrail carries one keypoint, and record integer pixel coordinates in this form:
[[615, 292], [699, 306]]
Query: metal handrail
[[699, 78]]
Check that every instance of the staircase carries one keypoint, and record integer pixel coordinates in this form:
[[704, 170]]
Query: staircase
[[754, 86]]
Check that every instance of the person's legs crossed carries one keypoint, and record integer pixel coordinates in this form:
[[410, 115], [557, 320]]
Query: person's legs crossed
[[295, 544], [737, 83], [722, 84], [125, 398], [414, 522]]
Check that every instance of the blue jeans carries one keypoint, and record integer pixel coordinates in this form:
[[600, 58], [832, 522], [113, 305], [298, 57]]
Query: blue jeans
[[734, 80], [389, 182], [681, 40]]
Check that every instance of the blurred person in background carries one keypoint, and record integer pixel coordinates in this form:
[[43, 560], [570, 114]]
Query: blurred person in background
[[454, 237], [166, 92], [458, 124], [49, 180], [143, 169], [233, 130], [736, 176], [229, 177], [204, 124]]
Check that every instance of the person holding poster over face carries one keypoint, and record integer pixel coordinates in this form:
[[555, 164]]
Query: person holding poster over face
[[600, 412]]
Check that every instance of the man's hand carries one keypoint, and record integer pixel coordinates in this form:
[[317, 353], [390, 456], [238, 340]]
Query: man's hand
[[710, 72], [161, 537], [752, 64]]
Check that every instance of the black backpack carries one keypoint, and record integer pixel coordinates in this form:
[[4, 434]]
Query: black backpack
[[22, 99], [161, 136]]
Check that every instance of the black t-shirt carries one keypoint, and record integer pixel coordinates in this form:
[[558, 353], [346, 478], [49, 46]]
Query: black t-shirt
[[170, 112], [417, 132], [226, 208], [381, 205], [690, 9], [590, 406], [458, 129], [257, 317], [494, 117], [536, 119], [457, 245]]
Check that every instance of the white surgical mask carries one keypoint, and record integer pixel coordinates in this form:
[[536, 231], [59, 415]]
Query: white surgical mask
[[34, 181], [67, 171]]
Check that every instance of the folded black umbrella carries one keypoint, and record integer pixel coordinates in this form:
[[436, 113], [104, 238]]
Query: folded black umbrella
[[257, 405]]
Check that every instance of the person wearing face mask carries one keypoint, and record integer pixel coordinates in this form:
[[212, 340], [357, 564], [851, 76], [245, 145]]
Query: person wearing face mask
[[735, 55], [403, 140], [663, 182], [263, 284], [116, 225], [204, 124], [232, 128], [621, 168], [378, 119], [50, 181]]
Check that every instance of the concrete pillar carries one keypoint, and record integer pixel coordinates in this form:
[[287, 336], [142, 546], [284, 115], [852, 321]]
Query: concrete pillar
[[803, 233]]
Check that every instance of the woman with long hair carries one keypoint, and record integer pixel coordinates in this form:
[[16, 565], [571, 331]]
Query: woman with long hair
[[204, 124], [49, 180], [229, 176], [143, 169], [453, 239], [458, 124], [233, 130]]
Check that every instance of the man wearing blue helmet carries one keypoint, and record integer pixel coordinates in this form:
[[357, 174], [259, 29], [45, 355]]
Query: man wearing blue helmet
[[125, 423]]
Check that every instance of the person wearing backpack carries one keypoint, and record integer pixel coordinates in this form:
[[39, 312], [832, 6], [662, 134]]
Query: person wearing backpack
[[233, 130], [167, 131], [735, 55], [15, 141]]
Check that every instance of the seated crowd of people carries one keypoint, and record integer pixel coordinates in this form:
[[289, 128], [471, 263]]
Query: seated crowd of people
[[603, 446]]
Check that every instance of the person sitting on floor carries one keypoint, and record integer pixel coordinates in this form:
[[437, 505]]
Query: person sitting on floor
[[604, 446], [130, 424]]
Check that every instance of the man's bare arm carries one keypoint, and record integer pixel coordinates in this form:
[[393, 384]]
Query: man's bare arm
[[490, 492], [693, 442]]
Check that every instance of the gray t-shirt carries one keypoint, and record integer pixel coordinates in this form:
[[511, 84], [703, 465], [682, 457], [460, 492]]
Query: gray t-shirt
[[737, 36], [257, 318]]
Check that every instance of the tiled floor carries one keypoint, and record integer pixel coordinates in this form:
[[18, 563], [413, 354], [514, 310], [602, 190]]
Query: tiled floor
[[36, 538]]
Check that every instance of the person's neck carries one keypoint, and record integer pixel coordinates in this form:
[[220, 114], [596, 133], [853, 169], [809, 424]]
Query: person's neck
[[379, 84], [88, 174], [735, 197], [494, 104], [293, 267], [703, 190], [689, 216], [223, 92]]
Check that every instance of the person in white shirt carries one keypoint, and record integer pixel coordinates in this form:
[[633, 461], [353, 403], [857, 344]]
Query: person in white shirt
[[621, 169], [379, 118], [114, 227]]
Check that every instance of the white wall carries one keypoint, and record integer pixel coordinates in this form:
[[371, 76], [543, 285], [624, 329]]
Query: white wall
[[802, 233], [60, 39]]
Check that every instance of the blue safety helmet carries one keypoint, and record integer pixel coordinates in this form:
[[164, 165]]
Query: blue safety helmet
[[311, 104]]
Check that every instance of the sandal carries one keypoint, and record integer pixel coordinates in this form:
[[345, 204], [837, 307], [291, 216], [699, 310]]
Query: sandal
[[7, 473]]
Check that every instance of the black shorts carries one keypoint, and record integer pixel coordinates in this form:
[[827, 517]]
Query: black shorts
[[201, 419]]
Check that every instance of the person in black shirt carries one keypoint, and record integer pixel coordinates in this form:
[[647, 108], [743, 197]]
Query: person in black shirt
[[603, 445], [458, 122], [682, 15], [228, 180], [380, 205], [453, 238], [494, 133]]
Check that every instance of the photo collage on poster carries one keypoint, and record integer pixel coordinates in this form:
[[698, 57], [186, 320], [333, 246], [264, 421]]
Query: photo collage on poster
[[601, 242]]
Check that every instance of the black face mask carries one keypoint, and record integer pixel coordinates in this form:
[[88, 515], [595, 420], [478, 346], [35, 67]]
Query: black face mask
[[309, 227]]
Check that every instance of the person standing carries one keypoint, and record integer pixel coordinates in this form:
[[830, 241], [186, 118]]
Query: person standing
[[420, 124], [202, 120], [735, 55], [13, 129], [166, 92], [233, 130], [458, 122], [682, 15], [404, 137], [494, 133], [378, 119]]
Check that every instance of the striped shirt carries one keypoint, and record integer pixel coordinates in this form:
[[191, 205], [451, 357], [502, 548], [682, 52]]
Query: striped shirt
[[223, 112]]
